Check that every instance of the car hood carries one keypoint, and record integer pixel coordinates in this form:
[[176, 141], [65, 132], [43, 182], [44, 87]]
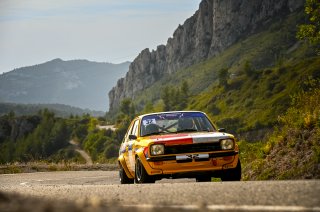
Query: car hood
[[190, 138]]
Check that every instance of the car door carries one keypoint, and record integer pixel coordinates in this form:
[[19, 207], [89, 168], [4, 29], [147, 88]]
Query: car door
[[125, 146], [131, 146]]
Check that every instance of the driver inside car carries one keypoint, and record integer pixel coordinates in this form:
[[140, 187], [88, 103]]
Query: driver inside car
[[186, 124]]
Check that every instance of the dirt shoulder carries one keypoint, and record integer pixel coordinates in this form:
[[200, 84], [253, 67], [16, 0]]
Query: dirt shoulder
[[49, 167]]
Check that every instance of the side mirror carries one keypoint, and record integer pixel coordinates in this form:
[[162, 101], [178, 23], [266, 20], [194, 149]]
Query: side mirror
[[221, 130], [132, 137]]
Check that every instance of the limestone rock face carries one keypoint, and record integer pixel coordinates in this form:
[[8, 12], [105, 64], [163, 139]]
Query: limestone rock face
[[215, 26]]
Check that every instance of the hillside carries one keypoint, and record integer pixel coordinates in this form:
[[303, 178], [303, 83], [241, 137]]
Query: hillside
[[292, 151], [45, 137], [215, 27], [252, 99], [79, 83], [262, 86]]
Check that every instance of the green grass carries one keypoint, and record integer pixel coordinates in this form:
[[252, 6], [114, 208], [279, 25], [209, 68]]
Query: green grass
[[293, 150]]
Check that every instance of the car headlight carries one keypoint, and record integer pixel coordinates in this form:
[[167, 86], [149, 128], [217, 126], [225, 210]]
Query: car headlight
[[227, 144], [157, 149]]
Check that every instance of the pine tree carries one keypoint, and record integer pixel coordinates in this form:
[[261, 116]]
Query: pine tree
[[223, 76]]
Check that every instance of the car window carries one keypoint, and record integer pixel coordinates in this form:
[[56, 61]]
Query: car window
[[135, 128], [125, 138], [164, 123]]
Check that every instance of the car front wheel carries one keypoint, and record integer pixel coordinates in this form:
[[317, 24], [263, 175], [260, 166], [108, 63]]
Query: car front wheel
[[124, 179], [232, 174], [141, 175]]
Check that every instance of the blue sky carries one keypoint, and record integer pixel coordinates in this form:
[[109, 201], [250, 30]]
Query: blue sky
[[35, 31]]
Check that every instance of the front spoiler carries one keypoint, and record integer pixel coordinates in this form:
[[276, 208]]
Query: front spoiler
[[173, 157]]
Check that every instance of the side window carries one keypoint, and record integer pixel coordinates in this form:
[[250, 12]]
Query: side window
[[135, 128], [125, 138]]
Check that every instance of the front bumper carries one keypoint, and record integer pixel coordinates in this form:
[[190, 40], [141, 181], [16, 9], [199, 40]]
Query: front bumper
[[172, 164], [211, 155]]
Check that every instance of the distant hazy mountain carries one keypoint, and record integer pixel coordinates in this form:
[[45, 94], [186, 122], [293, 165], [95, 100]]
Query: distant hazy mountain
[[78, 83]]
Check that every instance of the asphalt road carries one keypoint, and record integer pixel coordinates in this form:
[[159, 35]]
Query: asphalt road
[[103, 187]]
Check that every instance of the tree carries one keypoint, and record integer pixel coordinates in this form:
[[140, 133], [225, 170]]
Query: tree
[[175, 98], [111, 151], [223, 76], [248, 70], [184, 95], [165, 95], [11, 115], [92, 124], [127, 108], [148, 108], [311, 30], [185, 88]]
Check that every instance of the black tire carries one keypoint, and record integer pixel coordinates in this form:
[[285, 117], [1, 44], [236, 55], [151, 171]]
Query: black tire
[[141, 175], [232, 174], [124, 179], [204, 178]]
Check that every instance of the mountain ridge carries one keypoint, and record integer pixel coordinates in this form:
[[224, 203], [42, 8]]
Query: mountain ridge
[[78, 83]]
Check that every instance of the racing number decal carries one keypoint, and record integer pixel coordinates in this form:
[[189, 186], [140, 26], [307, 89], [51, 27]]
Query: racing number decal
[[149, 121]]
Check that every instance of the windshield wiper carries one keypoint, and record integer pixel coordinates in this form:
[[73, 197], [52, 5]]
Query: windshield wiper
[[187, 130]]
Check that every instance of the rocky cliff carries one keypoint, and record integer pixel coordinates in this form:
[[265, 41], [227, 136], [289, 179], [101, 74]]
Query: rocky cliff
[[215, 26]]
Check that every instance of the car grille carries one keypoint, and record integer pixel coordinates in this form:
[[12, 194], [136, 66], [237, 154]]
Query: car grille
[[191, 148]]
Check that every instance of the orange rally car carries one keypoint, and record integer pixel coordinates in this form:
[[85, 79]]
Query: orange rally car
[[178, 144]]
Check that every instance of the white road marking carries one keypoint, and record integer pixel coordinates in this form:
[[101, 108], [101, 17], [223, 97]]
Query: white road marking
[[48, 179], [229, 207], [24, 183], [74, 178], [262, 208]]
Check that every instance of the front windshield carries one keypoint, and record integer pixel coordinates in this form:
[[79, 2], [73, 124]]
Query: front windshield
[[164, 123]]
